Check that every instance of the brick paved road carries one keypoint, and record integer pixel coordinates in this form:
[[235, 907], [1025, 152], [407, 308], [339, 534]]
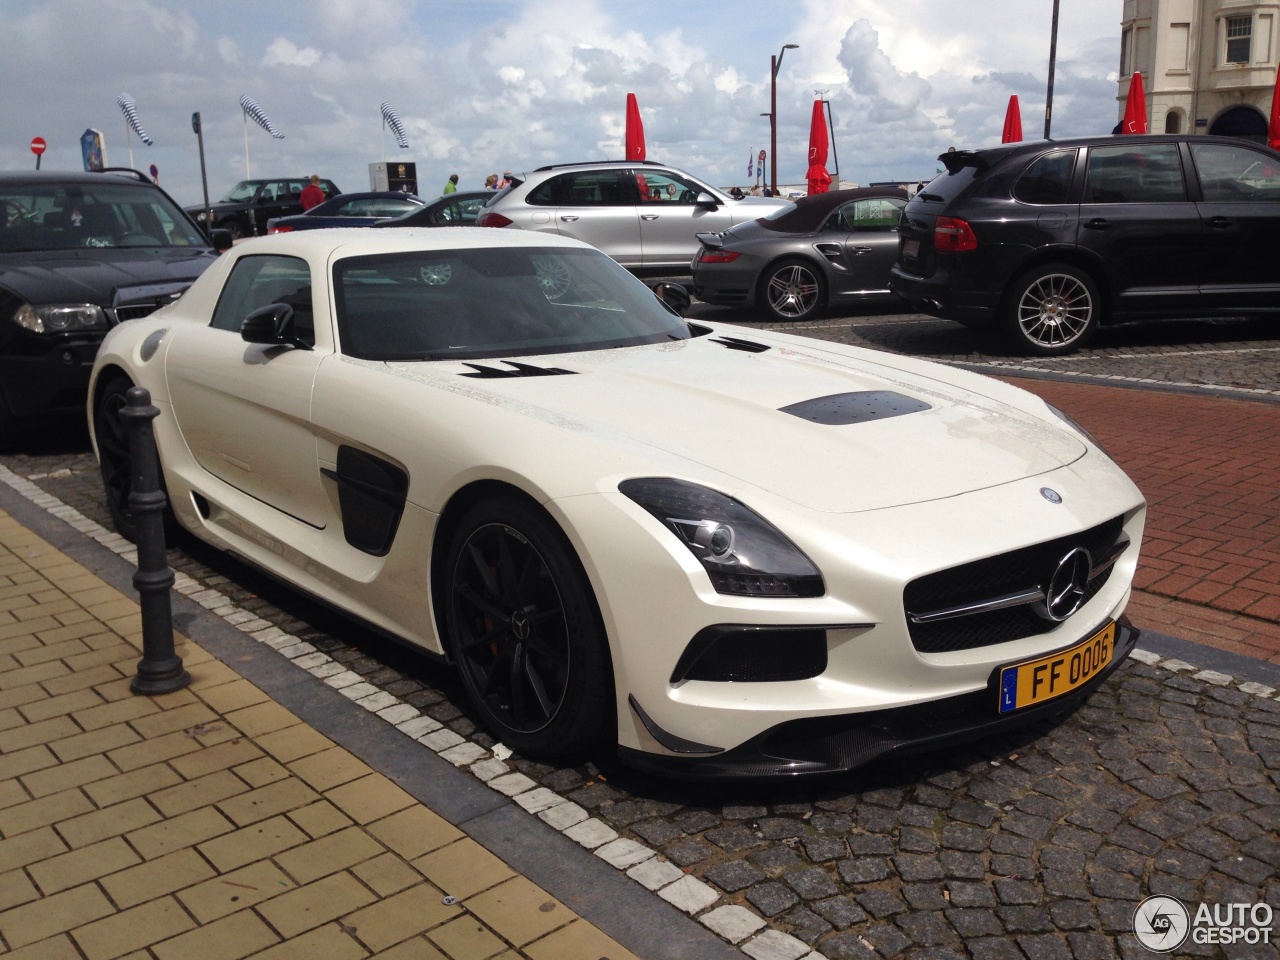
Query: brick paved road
[[1038, 846]]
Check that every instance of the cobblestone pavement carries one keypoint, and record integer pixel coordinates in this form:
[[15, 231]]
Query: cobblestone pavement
[[1039, 846]]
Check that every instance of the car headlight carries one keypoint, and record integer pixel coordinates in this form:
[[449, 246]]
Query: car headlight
[[743, 554], [60, 318], [1079, 429]]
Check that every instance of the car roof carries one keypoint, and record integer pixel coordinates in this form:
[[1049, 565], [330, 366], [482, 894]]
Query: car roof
[[988, 156], [603, 163], [344, 242], [117, 175], [810, 211], [378, 195]]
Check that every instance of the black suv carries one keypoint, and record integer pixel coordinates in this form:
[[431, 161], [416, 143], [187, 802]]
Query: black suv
[[79, 253], [247, 206], [1052, 238]]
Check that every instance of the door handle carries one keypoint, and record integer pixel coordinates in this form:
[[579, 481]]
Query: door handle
[[859, 251], [1220, 223], [1097, 223], [567, 219], [648, 216]]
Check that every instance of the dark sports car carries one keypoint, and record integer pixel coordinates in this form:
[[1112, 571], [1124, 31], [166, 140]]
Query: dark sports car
[[350, 210], [452, 210], [827, 248]]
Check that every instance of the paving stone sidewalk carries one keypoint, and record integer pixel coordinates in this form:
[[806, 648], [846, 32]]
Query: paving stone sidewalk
[[212, 823]]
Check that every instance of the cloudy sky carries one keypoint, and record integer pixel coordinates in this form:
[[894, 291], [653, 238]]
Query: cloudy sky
[[482, 85]]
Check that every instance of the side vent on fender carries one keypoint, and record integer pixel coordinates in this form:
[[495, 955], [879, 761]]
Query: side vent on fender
[[371, 495]]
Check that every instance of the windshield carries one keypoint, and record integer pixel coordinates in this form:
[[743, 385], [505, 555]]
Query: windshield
[[512, 302], [61, 216], [242, 191]]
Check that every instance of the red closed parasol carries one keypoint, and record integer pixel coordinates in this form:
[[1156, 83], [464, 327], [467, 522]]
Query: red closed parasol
[[1012, 122], [1135, 107], [819, 179], [635, 130], [1273, 129]]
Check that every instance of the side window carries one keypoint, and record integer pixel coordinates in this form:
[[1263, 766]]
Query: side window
[[384, 207], [667, 188], [268, 192], [1150, 173], [553, 192], [295, 190], [357, 208], [873, 215], [1236, 173], [258, 281], [1047, 180]]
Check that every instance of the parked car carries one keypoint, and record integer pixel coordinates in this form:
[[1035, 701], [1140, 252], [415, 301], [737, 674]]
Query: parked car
[[349, 210], [1050, 239], [79, 253], [645, 215], [728, 554], [458, 209], [247, 206], [834, 247]]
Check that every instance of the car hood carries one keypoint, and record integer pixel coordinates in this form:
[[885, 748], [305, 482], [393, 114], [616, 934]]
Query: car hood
[[100, 275], [704, 403]]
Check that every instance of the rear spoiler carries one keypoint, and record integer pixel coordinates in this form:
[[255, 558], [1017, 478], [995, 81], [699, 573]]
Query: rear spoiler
[[712, 241], [954, 160]]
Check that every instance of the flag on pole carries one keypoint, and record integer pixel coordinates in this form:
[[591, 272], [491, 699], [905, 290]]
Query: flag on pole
[[393, 121], [751, 170], [252, 110], [130, 111]]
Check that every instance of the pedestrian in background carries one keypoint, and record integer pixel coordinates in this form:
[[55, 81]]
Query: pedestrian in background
[[311, 194], [491, 182], [505, 181], [451, 185]]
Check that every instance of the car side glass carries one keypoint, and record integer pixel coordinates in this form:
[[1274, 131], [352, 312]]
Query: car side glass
[[1134, 173], [259, 281], [1236, 173], [1047, 180]]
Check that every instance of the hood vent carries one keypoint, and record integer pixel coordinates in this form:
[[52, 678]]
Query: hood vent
[[842, 409], [747, 346], [517, 370]]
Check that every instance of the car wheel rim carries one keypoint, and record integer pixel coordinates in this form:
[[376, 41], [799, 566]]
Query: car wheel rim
[[1055, 310], [793, 291], [510, 629], [553, 277], [114, 453]]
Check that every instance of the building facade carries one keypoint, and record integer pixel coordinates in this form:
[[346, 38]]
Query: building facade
[[1208, 66]]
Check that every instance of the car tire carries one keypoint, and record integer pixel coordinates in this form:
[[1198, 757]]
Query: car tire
[[11, 432], [233, 227], [1052, 309], [791, 290], [523, 626], [115, 460]]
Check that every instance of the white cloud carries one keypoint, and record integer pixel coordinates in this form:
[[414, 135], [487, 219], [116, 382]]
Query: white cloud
[[285, 53]]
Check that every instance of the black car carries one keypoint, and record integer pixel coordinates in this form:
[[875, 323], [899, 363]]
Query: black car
[[1050, 239], [247, 206], [458, 209], [79, 253], [350, 210], [834, 247]]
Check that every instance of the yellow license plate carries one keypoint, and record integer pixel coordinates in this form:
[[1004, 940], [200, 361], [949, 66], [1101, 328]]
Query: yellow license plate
[[1026, 684]]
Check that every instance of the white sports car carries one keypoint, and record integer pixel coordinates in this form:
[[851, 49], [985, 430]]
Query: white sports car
[[728, 552]]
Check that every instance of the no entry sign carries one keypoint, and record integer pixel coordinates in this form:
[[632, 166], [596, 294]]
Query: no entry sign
[[37, 145]]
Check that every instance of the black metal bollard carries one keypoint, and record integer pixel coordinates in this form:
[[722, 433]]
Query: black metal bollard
[[160, 669]]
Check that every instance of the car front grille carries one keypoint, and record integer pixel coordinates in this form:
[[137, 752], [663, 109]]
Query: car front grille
[[994, 600]]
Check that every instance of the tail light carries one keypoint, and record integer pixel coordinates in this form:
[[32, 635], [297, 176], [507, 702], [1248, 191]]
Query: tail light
[[951, 235], [718, 256], [489, 218], [280, 230]]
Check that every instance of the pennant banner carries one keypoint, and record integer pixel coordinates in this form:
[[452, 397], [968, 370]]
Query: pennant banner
[[254, 112], [393, 121], [130, 111]]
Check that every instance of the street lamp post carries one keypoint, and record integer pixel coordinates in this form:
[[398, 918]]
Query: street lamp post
[[774, 64]]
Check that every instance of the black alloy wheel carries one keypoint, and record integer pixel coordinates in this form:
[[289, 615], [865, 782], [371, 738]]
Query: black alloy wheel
[[233, 227], [1052, 309], [791, 290], [526, 633]]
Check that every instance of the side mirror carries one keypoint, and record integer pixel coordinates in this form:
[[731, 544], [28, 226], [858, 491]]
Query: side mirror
[[221, 239], [271, 325], [674, 295], [707, 200]]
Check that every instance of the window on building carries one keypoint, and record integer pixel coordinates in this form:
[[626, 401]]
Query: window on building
[[1172, 122], [1126, 51], [1179, 46], [1239, 39]]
